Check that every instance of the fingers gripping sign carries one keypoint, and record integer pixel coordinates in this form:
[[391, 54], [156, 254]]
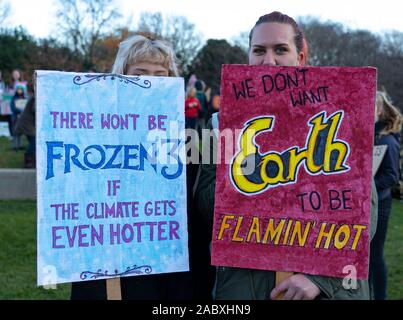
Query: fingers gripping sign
[[296, 287]]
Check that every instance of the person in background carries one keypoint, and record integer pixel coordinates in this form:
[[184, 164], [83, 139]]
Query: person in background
[[2, 85], [5, 112], [275, 40], [201, 96], [17, 105], [192, 107], [214, 105], [387, 132], [26, 126]]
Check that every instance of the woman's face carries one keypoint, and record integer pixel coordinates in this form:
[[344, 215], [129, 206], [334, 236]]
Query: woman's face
[[273, 44], [16, 75], [147, 69]]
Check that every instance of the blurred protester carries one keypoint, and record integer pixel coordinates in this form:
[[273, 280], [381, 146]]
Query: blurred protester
[[192, 108], [5, 111], [2, 85], [213, 106], [201, 96], [26, 126], [18, 103], [387, 132], [191, 82], [207, 92]]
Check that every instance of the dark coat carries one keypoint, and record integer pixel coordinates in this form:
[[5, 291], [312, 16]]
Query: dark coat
[[26, 122], [388, 173]]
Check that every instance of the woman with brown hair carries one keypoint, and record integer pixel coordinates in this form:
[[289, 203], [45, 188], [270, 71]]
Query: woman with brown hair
[[387, 132]]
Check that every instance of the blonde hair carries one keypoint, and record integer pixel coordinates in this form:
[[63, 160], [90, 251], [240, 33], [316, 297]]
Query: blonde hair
[[139, 48], [390, 114], [191, 92]]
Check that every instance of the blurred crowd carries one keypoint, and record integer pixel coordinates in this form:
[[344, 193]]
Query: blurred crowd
[[17, 108]]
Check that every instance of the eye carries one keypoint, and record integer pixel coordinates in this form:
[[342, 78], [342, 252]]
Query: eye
[[258, 51], [281, 50]]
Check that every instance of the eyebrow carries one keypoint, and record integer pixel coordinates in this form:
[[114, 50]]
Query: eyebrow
[[276, 45]]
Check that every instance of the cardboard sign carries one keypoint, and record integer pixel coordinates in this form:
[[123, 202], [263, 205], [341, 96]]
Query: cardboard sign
[[111, 176], [5, 108], [293, 186], [20, 104], [379, 153]]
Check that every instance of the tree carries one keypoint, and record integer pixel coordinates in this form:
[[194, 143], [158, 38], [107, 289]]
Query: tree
[[84, 22], [241, 40], [207, 63], [331, 44], [19, 50], [177, 30], [16, 46], [107, 47]]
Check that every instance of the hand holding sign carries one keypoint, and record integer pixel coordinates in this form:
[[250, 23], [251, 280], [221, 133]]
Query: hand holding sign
[[296, 287]]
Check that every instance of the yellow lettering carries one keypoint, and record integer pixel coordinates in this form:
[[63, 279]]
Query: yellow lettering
[[297, 231], [287, 231], [273, 232], [254, 229], [224, 226], [340, 147], [327, 235], [235, 237], [248, 154], [345, 230], [359, 229]]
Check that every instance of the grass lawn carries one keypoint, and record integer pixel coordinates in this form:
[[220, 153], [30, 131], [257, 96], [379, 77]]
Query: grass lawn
[[11, 158], [394, 252], [18, 253]]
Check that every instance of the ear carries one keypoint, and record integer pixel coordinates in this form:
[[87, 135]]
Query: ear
[[301, 59]]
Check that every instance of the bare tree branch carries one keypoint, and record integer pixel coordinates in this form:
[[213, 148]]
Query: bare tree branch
[[83, 22], [177, 30]]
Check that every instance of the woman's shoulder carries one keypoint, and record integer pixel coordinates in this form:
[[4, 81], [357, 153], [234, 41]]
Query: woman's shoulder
[[391, 139]]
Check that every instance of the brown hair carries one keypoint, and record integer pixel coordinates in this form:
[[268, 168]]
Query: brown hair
[[278, 17], [390, 115]]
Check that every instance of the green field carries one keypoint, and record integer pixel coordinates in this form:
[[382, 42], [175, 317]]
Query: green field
[[18, 253], [11, 158]]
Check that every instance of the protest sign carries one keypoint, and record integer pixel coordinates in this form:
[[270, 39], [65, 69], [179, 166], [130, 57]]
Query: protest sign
[[293, 186], [111, 176], [5, 108], [379, 153], [20, 104]]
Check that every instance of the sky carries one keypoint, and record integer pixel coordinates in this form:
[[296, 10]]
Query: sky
[[224, 19]]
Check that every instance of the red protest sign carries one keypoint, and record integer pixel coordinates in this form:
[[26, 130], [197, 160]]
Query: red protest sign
[[293, 186]]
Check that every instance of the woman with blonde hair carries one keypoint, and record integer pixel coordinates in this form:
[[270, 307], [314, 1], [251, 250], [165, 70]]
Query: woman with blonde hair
[[145, 55], [387, 132], [137, 56]]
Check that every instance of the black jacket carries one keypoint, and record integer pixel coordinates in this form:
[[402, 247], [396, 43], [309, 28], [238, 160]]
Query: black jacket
[[388, 172]]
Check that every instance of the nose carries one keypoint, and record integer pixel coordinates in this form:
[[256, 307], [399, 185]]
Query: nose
[[269, 59]]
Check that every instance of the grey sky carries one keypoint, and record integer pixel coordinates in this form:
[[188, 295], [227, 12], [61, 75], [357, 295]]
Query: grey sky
[[227, 18]]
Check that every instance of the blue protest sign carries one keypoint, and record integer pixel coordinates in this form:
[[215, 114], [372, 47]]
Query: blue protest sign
[[111, 176]]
